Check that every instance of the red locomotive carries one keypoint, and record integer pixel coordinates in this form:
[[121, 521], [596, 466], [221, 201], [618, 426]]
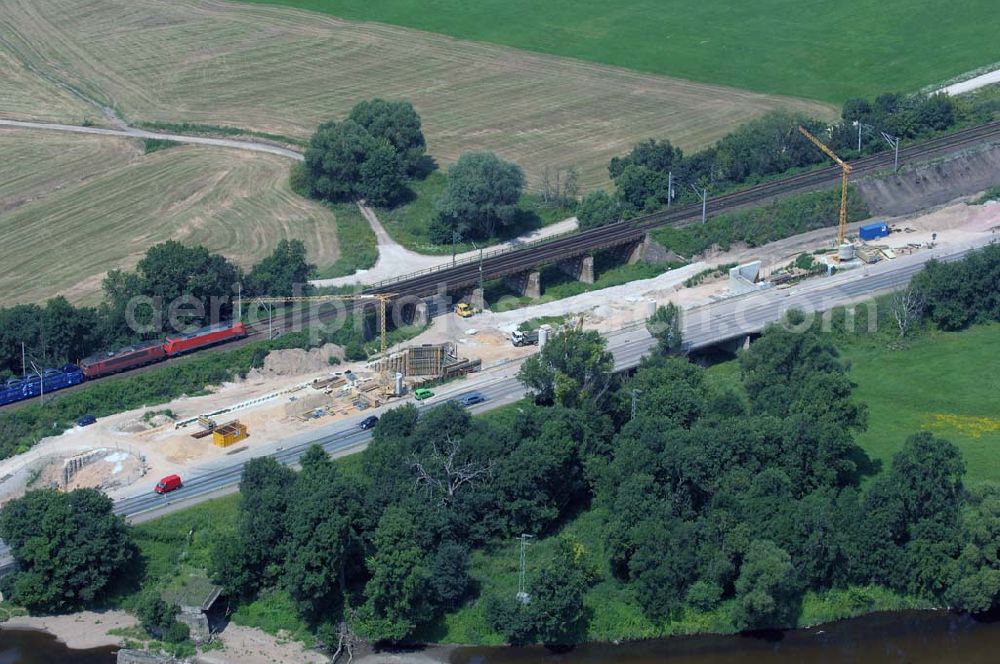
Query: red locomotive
[[105, 364], [204, 337]]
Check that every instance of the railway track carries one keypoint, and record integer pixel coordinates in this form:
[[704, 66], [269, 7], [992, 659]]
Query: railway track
[[503, 262]]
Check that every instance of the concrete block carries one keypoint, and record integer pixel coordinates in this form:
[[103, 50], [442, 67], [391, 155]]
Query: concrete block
[[126, 656], [197, 623]]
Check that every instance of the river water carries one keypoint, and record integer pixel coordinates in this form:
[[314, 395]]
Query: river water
[[913, 637], [22, 647]]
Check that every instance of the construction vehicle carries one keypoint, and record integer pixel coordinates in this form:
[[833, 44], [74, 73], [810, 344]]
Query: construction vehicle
[[844, 250], [464, 310], [519, 338]]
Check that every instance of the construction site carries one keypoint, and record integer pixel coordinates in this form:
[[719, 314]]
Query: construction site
[[299, 391]]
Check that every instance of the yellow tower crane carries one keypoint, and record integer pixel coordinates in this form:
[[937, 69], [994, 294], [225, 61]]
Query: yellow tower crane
[[846, 171], [381, 298]]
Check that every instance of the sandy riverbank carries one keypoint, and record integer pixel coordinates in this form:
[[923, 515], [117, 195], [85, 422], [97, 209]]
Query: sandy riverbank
[[241, 645], [79, 631]]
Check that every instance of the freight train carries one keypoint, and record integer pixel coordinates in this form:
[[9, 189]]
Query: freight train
[[107, 363]]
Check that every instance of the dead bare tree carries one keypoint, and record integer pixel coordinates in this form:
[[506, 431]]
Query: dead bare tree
[[545, 188], [907, 309], [445, 474], [571, 187], [347, 641]]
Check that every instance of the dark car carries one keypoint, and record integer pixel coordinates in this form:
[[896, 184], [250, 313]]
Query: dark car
[[471, 398], [368, 422], [86, 420]]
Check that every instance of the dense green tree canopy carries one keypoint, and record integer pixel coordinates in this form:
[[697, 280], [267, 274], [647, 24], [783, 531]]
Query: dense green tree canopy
[[598, 208], [344, 162], [52, 334], [322, 511], [399, 589], [665, 326], [281, 272], [767, 593], [482, 195], [70, 547], [574, 367], [396, 122]]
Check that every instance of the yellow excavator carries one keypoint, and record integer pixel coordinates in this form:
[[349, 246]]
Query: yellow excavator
[[845, 172]]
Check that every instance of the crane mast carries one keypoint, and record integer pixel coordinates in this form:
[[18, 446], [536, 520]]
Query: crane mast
[[845, 172]]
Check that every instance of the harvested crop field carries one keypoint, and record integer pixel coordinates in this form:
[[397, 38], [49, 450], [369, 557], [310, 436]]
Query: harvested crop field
[[283, 71], [25, 94], [73, 207]]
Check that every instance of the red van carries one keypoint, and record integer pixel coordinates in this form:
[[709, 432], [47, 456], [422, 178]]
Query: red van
[[168, 484]]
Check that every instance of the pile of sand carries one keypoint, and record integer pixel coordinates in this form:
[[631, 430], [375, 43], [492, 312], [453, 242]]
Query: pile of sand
[[294, 361]]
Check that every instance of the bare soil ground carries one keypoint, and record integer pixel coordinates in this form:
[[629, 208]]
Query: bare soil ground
[[74, 207], [284, 71], [247, 645]]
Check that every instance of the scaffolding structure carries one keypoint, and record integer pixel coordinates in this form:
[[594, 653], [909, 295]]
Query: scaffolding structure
[[425, 360]]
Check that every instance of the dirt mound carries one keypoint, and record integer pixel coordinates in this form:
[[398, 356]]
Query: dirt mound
[[930, 185], [294, 361]]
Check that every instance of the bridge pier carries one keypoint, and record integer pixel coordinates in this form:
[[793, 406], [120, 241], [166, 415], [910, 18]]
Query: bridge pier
[[637, 252], [476, 299], [737, 344], [421, 313], [580, 268], [525, 283]]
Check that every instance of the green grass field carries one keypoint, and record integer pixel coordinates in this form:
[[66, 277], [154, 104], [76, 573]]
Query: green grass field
[[946, 383], [943, 382], [821, 50]]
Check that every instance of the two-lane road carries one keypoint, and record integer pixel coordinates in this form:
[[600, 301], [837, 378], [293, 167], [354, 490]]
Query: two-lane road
[[702, 327]]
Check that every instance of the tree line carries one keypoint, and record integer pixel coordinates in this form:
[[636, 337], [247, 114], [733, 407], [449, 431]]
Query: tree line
[[766, 147], [168, 274], [736, 498]]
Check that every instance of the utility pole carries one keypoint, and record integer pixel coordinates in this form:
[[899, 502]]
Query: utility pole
[[635, 400], [41, 384], [239, 301], [704, 202], [24, 367], [670, 188], [454, 237], [893, 142], [522, 591]]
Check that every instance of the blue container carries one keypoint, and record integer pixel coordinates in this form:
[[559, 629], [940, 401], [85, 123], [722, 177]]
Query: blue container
[[874, 231]]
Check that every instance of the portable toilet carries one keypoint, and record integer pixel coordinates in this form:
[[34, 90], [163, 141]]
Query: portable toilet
[[873, 231]]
